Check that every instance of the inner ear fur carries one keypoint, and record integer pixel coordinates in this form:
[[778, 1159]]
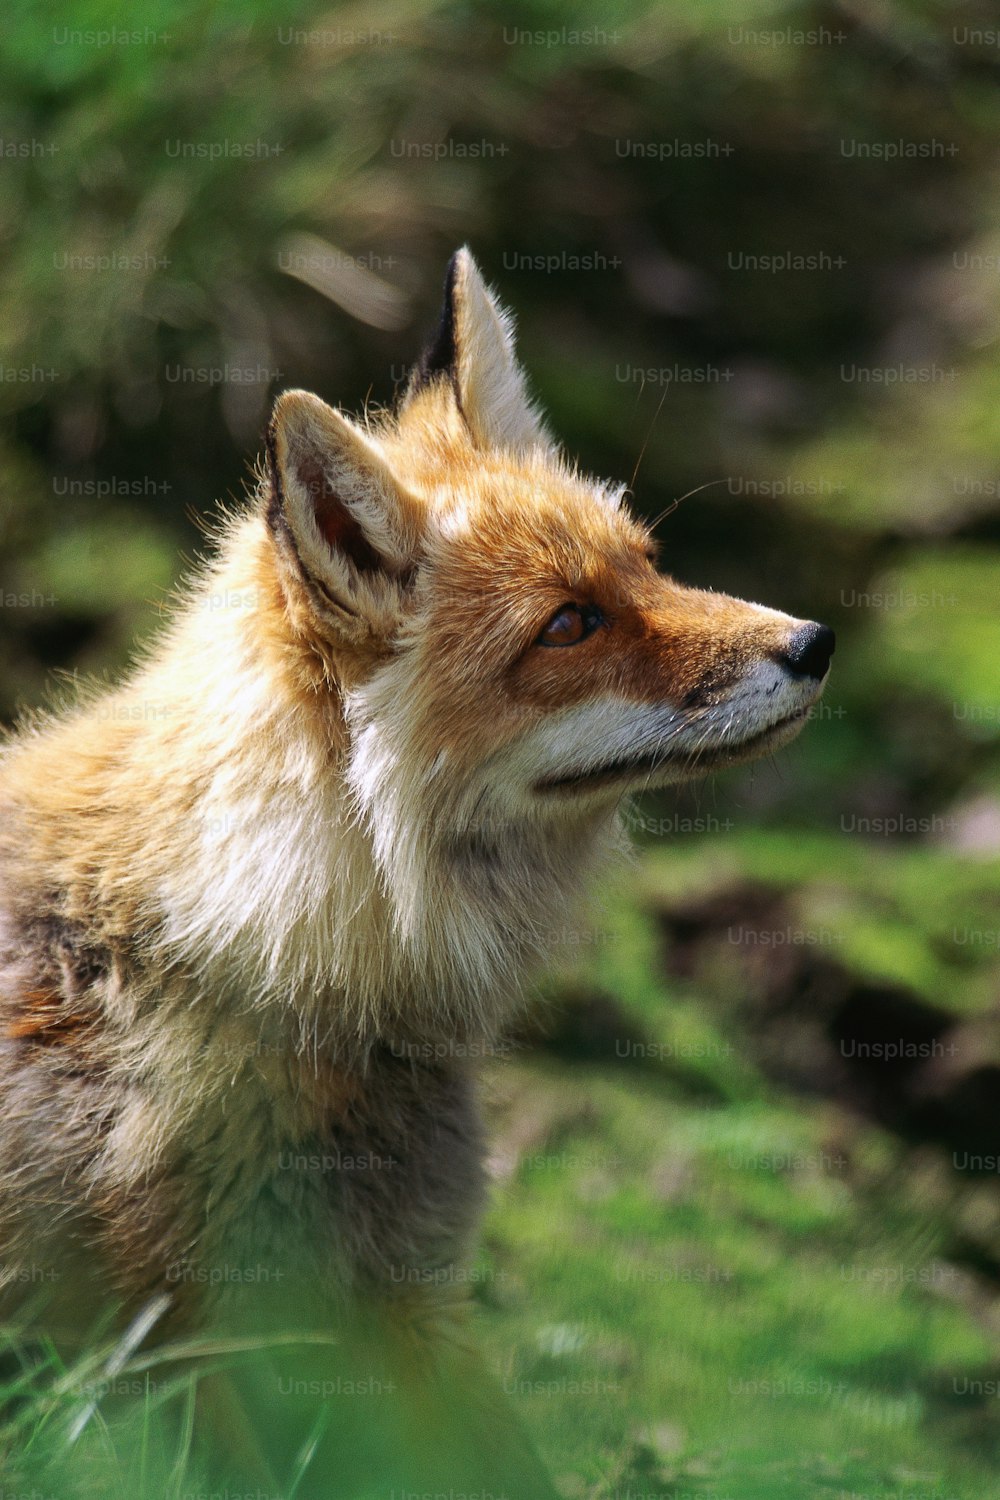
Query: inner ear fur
[[335, 508]]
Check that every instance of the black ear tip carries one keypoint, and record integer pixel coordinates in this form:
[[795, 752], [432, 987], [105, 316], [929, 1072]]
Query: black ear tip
[[441, 354]]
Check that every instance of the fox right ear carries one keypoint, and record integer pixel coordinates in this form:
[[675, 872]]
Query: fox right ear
[[341, 524], [472, 355]]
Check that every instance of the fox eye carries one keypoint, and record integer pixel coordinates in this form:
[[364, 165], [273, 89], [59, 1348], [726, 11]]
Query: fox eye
[[570, 624]]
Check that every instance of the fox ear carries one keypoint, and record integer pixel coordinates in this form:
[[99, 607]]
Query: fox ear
[[473, 351], [339, 520]]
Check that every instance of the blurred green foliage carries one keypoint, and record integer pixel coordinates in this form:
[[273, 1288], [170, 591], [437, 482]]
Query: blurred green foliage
[[274, 193]]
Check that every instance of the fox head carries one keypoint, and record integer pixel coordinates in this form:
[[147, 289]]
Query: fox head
[[496, 621]]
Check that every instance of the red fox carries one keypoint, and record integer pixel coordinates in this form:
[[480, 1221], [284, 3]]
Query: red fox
[[260, 903]]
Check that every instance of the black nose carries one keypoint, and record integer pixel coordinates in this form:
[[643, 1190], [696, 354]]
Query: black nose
[[809, 650]]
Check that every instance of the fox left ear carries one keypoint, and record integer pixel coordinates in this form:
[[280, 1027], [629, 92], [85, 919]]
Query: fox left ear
[[473, 352], [343, 527]]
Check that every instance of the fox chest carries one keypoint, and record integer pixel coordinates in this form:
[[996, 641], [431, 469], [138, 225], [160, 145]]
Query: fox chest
[[362, 1183]]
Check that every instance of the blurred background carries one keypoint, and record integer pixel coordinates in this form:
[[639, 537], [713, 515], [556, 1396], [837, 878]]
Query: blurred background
[[745, 1239]]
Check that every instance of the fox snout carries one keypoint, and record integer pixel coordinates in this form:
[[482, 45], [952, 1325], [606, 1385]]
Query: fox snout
[[698, 684]]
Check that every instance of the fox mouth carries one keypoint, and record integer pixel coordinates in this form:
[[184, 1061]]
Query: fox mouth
[[694, 762]]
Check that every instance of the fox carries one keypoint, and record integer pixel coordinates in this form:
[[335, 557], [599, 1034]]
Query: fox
[[266, 900]]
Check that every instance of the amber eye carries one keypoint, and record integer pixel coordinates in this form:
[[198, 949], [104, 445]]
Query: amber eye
[[570, 624]]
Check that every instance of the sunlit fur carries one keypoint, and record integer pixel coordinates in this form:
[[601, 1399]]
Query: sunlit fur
[[339, 810]]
